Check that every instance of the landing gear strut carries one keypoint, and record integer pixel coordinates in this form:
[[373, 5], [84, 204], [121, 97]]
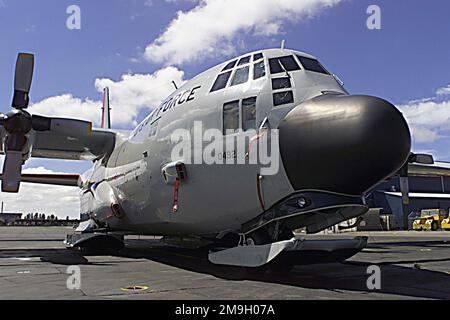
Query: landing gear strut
[[264, 236]]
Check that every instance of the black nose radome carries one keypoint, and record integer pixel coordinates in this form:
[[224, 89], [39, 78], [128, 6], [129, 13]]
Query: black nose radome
[[344, 144]]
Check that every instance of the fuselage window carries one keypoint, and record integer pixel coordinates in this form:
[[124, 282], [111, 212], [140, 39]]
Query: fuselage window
[[240, 76], [312, 65], [221, 81], [230, 116], [249, 114], [281, 98], [244, 60], [259, 70], [229, 65], [281, 83], [257, 57], [288, 63]]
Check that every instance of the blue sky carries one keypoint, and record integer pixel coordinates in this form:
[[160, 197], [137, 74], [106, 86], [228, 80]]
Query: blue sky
[[407, 60]]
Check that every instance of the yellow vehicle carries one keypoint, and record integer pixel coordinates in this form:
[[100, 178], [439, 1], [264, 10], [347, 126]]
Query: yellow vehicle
[[430, 219], [445, 224]]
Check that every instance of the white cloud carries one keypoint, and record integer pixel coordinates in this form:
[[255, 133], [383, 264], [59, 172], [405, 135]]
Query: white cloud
[[130, 95], [443, 91], [211, 28], [67, 105], [139, 91], [429, 120], [57, 200]]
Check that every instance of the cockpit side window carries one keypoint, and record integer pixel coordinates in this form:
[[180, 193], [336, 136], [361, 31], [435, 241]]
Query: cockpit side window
[[312, 65], [259, 70], [221, 81], [281, 83], [249, 113], [230, 65], [285, 97], [230, 116], [288, 63], [244, 60], [240, 76]]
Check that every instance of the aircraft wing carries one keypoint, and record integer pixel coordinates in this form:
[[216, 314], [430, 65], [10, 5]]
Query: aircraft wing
[[61, 145], [70, 180]]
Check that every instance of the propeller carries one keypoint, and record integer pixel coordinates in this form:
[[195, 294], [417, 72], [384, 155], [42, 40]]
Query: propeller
[[404, 181], [19, 124]]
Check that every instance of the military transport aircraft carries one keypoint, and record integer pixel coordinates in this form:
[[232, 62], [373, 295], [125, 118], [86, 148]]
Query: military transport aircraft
[[333, 149]]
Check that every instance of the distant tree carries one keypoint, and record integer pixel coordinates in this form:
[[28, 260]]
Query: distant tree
[[43, 217], [36, 216], [67, 218]]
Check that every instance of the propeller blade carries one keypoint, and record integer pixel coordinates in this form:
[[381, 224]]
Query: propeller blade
[[422, 159], [23, 79], [404, 188], [3, 118], [12, 171], [404, 183]]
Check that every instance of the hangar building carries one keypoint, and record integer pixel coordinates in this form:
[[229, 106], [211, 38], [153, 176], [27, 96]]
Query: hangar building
[[429, 189]]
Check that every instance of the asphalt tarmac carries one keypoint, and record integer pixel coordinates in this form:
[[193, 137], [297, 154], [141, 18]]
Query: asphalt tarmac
[[34, 265]]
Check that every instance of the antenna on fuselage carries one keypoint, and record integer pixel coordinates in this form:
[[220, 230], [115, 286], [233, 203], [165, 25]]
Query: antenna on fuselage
[[282, 44], [175, 85]]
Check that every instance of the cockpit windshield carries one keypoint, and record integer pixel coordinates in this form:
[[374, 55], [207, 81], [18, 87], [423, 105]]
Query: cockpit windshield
[[282, 64], [241, 69], [312, 65]]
